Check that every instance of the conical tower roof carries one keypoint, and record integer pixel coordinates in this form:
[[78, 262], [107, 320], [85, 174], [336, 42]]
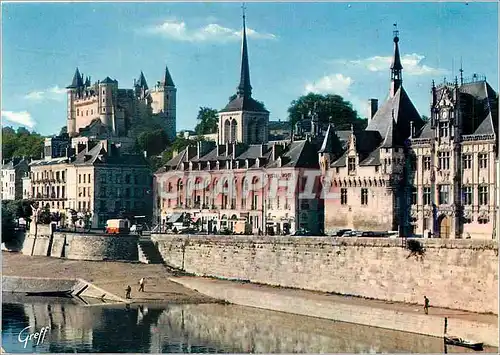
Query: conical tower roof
[[168, 78], [77, 80]]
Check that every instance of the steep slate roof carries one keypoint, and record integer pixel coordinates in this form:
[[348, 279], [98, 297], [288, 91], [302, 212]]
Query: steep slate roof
[[479, 111], [142, 81], [108, 80], [97, 155], [13, 163], [367, 148], [77, 80], [392, 120], [244, 104], [168, 78]]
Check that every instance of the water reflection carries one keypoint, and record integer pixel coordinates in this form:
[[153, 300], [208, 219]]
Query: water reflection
[[194, 329]]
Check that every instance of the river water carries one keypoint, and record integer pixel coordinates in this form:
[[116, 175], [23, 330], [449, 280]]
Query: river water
[[206, 328]]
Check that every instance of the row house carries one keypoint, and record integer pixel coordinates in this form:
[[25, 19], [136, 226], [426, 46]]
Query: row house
[[13, 172], [275, 189], [95, 178]]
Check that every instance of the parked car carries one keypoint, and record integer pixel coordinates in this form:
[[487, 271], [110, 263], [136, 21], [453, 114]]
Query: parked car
[[374, 235], [341, 232], [350, 233], [302, 232]]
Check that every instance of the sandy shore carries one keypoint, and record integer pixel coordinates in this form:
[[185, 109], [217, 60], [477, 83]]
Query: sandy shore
[[110, 276]]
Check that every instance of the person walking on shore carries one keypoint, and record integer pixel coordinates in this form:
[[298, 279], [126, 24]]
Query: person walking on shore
[[128, 289], [426, 305], [141, 285]]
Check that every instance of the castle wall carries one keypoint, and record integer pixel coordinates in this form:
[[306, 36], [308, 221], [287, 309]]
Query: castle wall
[[459, 274]]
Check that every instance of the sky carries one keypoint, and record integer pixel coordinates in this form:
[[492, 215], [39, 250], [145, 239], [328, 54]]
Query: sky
[[294, 48]]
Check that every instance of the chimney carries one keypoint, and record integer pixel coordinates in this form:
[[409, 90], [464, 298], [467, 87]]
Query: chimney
[[277, 150], [373, 107], [263, 149]]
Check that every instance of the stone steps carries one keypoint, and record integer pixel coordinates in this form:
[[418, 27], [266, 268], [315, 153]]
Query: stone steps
[[150, 252]]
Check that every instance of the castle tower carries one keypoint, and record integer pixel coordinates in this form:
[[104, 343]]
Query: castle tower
[[73, 90], [243, 119], [164, 103], [107, 87]]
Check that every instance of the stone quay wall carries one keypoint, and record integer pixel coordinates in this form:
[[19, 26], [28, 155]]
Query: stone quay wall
[[81, 246], [456, 274]]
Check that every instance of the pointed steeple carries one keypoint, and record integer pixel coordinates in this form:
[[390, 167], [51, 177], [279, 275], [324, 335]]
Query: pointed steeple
[[244, 88], [396, 67], [77, 80], [142, 81], [168, 78]]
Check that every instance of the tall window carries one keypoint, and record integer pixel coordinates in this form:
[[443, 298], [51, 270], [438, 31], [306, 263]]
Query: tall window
[[343, 196], [467, 161], [467, 197], [444, 160], [443, 129], [351, 165], [483, 195], [483, 161], [414, 195], [427, 195], [364, 196], [444, 194], [427, 163]]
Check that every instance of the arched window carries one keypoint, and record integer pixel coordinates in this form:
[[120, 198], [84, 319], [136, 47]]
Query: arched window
[[244, 191], [227, 129], [234, 130]]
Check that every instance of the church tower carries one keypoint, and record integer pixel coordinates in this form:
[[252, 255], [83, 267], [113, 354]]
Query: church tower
[[244, 119]]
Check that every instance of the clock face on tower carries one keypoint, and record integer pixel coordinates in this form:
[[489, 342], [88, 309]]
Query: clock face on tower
[[444, 114]]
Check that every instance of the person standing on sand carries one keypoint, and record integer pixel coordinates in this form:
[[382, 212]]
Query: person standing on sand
[[128, 289], [141, 285], [426, 305]]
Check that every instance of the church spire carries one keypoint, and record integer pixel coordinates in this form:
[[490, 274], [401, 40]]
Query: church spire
[[396, 67], [244, 88]]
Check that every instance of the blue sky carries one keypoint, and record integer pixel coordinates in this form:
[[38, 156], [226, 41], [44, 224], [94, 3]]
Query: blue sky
[[341, 48]]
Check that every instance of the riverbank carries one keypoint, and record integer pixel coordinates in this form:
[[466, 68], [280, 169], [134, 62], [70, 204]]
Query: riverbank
[[383, 314], [112, 277]]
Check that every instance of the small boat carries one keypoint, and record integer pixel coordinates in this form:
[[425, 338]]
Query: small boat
[[50, 293], [451, 340]]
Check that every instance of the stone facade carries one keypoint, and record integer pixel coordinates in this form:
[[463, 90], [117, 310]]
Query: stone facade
[[86, 179], [436, 178], [102, 109], [365, 267]]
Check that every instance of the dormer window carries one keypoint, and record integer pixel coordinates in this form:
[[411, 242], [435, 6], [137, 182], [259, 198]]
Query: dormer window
[[351, 165]]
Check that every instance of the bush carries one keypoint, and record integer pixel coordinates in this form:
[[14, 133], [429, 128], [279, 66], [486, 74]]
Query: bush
[[416, 248]]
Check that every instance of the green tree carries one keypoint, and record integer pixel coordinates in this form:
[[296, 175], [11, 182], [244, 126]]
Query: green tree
[[207, 121], [329, 108], [153, 142], [21, 143]]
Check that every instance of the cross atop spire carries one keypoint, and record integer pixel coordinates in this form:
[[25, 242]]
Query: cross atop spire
[[244, 88]]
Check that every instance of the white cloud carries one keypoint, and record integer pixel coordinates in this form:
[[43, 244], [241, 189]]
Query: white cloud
[[21, 117], [412, 64], [212, 32], [54, 93], [330, 84]]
